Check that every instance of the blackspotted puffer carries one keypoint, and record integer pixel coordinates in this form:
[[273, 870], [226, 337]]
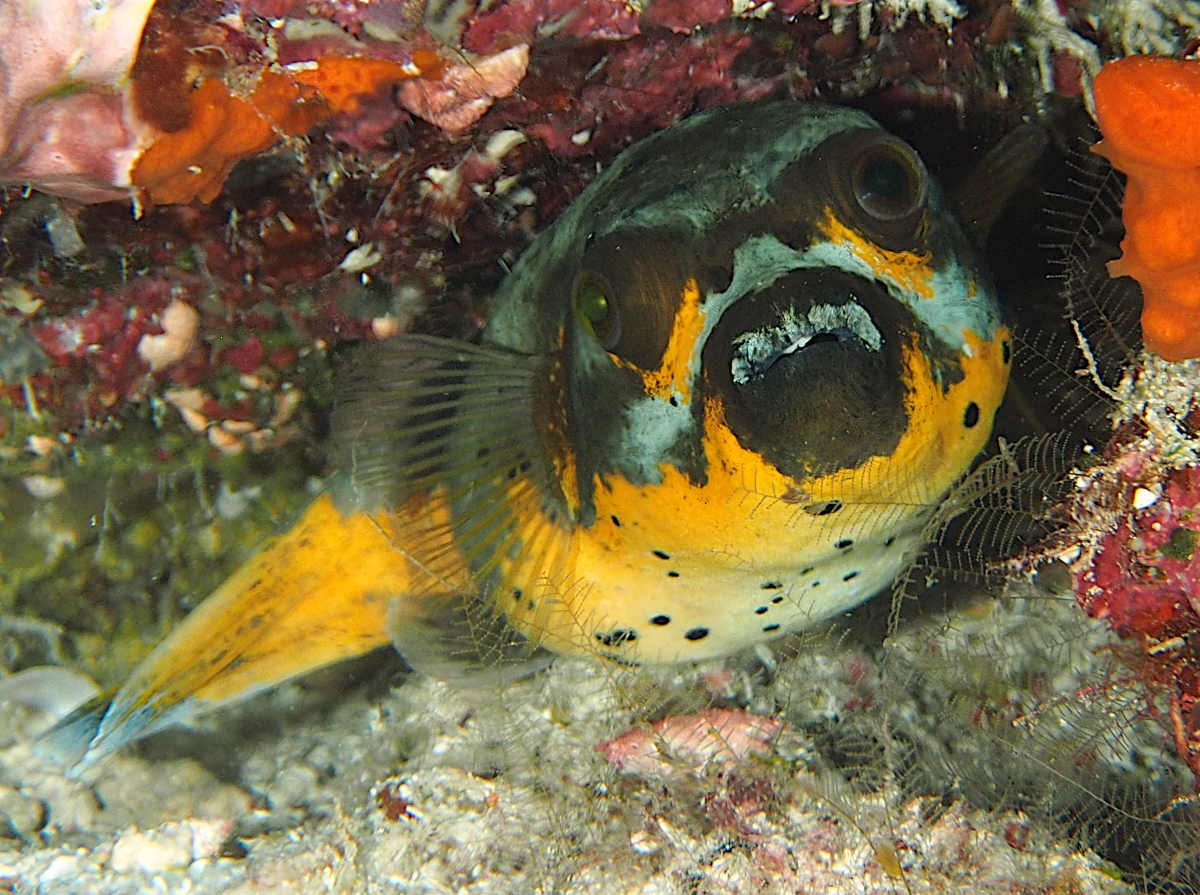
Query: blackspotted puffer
[[715, 402]]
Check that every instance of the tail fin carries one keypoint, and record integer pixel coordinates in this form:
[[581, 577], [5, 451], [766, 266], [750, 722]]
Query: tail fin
[[310, 597]]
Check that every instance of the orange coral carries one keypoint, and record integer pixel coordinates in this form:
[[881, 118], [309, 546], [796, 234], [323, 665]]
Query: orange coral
[[1148, 108], [197, 147]]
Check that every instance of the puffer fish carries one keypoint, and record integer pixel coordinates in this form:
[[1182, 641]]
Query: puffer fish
[[714, 403]]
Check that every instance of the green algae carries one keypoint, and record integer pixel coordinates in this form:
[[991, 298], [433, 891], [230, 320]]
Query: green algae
[[1181, 544], [115, 536]]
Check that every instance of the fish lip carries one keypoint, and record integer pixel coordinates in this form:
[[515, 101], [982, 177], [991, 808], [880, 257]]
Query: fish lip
[[835, 309], [757, 350]]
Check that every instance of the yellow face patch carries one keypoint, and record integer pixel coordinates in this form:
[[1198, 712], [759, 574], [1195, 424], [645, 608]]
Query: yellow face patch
[[938, 444], [910, 271], [674, 375]]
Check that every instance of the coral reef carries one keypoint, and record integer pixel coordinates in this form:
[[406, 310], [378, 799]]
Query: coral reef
[[165, 113], [1132, 546]]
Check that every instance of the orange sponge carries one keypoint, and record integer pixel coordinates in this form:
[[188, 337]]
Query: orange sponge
[[220, 129], [1148, 108], [344, 80]]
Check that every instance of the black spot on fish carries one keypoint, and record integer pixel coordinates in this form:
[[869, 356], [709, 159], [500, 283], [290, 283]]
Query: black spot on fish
[[617, 637], [816, 584], [661, 620], [777, 600], [971, 416], [674, 401], [772, 585], [823, 509], [672, 574], [771, 627], [661, 555], [760, 610], [848, 577], [890, 541], [517, 593], [621, 660], [696, 634], [806, 570], [844, 543], [1005, 351], [615, 521]]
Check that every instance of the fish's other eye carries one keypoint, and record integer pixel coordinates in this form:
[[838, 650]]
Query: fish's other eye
[[888, 181], [596, 308]]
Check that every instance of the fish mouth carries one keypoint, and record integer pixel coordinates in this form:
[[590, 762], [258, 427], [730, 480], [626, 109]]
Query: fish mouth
[[757, 351], [810, 370]]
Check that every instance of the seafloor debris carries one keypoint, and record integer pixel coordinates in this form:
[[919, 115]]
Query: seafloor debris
[[1131, 546], [692, 743], [495, 797]]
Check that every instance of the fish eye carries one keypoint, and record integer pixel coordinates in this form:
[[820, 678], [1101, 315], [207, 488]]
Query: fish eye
[[596, 308], [888, 181]]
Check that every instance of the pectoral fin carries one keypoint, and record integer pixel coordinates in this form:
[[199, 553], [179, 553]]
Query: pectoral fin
[[995, 178], [310, 597]]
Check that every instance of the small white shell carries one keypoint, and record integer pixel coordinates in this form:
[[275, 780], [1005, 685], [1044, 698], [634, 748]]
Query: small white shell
[[1143, 498], [48, 688]]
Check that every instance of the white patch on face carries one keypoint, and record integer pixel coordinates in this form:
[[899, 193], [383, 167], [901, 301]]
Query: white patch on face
[[954, 309], [653, 426], [757, 350]]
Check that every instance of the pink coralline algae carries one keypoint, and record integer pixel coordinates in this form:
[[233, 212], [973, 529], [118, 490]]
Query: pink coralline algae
[[692, 743], [1146, 576], [682, 16], [651, 83], [65, 125], [523, 21], [356, 16], [465, 91]]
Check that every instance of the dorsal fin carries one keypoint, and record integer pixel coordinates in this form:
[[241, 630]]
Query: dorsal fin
[[982, 194]]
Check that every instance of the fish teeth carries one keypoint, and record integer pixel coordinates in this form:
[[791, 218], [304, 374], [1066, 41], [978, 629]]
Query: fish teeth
[[758, 349]]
